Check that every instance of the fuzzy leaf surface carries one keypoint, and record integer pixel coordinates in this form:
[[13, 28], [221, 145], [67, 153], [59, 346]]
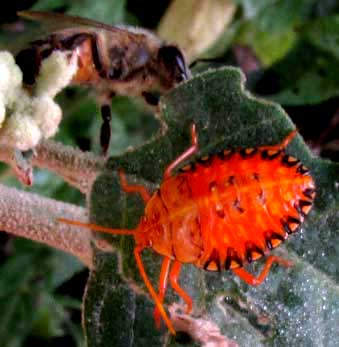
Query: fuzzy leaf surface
[[294, 307]]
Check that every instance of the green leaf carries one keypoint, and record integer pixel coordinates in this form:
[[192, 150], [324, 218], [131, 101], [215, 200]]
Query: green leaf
[[281, 15], [28, 304], [270, 27], [17, 306], [114, 313], [268, 45], [50, 317], [305, 76], [110, 12], [324, 34], [293, 307], [298, 43]]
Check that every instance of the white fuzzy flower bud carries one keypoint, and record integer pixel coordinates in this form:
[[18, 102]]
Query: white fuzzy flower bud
[[21, 132], [2, 111], [47, 115], [25, 119], [11, 76], [56, 73]]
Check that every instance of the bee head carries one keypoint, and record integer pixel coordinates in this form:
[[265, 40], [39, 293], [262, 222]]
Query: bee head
[[174, 63]]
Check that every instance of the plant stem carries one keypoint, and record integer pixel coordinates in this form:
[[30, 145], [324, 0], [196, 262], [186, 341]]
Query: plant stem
[[34, 217], [77, 168]]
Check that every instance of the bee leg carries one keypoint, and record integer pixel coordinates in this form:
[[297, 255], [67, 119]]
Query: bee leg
[[133, 188], [98, 60], [162, 287], [255, 281], [183, 156], [105, 132], [158, 303], [174, 276], [153, 99]]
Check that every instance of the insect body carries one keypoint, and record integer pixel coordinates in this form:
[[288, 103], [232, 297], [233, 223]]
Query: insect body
[[114, 60], [220, 213]]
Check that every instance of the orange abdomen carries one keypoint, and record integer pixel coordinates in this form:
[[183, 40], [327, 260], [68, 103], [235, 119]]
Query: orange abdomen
[[173, 221], [87, 72], [229, 209]]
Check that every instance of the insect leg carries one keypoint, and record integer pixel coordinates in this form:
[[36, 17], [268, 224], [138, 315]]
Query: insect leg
[[100, 66], [105, 132], [135, 188], [183, 156], [254, 281], [162, 287], [98, 59], [287, 139], [283, 144], [174, 275], [158, 303]]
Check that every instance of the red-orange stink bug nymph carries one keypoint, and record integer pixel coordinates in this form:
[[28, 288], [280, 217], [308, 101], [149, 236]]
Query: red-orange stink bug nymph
[[219, 213]]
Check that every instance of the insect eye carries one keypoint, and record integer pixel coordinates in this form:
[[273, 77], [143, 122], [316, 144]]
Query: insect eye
[[175, 63]]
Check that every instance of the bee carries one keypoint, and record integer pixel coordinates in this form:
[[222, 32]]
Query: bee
[[112, 60]]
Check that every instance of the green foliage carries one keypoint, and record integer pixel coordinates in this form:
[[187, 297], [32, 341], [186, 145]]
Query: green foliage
[[27, 299], [110, 12], [309, 74], [306, 76], [298, 42], [323, 33], [29, 304], [269, 26], [293, 307]]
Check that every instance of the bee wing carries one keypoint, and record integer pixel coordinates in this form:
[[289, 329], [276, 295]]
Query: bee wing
[[59, 22]]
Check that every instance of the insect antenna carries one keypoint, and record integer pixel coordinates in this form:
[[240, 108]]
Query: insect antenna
[[98, 228], [219, 60]]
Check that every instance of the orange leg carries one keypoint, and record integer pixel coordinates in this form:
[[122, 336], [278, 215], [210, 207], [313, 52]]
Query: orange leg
[[135, 188], [283, 144], [287, 139], [183, 156], [162, 287], [158, 303], [174, 276], [255, 281]]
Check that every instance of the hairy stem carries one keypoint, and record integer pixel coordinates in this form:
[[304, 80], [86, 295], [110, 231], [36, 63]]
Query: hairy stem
[[34, 217], [77, 168]]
